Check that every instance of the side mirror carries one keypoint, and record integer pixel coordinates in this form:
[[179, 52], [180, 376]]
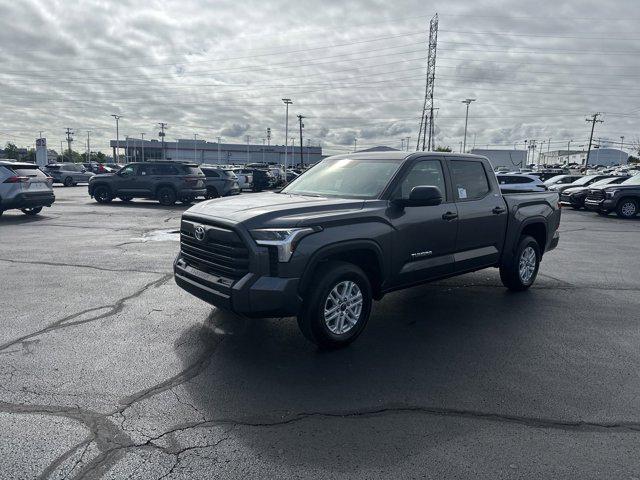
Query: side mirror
[[421, 196]]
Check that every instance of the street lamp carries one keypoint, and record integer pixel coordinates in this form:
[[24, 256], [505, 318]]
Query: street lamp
[[621, 144], [287, 102], [142, 138], [466, 120], [117, 117]]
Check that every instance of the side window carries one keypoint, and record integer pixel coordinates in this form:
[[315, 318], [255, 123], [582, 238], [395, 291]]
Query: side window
[[127, 171], [469, 180], [424, 173], [526, 180], [211, 173], [166, 170], [145, 170]]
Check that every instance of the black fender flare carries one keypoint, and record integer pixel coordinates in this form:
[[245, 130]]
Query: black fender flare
[[337, 248]]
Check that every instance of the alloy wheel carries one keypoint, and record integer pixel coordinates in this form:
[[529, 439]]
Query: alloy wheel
[[527, 264], [343, 307]]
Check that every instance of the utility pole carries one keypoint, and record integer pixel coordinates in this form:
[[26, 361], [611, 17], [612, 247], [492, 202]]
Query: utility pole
[[69, 139], [466, 121], [117, 117], [402, 144], [219, 139], [88, 146], [526, 162], [308, 147], [62, 150], [268, 137], [287, 102], [407, 143], [593, 120], [300, 117], [195, 151], [621, 144], [248, 139], [569, 151], [142, 137], [263, 141], [161, 134], [426, 120], [355, 144]]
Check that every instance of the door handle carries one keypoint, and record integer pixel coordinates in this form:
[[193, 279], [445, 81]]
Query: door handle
[[498, 210], [449, 216]]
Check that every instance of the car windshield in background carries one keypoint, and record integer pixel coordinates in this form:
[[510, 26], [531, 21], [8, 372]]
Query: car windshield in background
[[635, 180], [583, 180], [28, 172], [350, 178], [230, 174], [553, 180]]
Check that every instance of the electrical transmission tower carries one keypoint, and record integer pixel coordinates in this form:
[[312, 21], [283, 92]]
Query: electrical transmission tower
[[426, 122]]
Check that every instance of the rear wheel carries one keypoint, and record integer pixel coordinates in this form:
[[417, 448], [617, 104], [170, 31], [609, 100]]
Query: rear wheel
[[187, 200], [31, 211], [338, 307], [68, 182], [166, 196], [627, 208], [519, 273], [211, 193], [102, 194]]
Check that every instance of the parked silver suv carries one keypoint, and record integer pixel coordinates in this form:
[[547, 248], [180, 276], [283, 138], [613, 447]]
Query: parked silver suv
[[69, 174], [220, 182], [24, 186]]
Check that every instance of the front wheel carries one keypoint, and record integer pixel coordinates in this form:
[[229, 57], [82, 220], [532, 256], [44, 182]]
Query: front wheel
[[31, 211], [68, 182], [338, 307], [102, 194], [187, 200], [627, 208], [519, 273]]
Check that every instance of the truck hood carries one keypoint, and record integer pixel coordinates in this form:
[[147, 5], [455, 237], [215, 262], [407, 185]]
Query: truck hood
[[276, 209], [616, 187], [102, 175]]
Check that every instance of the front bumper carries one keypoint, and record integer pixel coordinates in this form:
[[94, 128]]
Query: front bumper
[[606, 205], [572, 200], [29, 200], [252, 295]]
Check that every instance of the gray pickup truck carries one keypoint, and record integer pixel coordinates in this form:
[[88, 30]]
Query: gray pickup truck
[[355, 227]]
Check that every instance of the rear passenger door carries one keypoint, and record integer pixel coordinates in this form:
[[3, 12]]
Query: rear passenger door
[[482, 214]]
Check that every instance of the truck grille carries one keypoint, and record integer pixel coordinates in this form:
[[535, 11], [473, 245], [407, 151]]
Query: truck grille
[[595, 195], [221, 252]]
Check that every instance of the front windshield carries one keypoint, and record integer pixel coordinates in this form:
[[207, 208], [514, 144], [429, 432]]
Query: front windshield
[[603, 182], [635, 180], [583, 181], [355, 178], [553, 180]]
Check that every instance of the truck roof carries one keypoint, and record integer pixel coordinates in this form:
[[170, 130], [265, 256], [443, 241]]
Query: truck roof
[[400, 155]]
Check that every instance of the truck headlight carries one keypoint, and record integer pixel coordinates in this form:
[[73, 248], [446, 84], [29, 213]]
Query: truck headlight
[[610, 193], [285, 240]]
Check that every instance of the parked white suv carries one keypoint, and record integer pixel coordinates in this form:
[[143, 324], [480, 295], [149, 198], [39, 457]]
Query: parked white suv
[[515, 182], [24, 186]]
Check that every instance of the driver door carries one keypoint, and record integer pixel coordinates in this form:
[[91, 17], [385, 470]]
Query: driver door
[[127, 180], [425, 236]]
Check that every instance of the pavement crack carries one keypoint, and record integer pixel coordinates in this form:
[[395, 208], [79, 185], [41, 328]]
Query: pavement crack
[[79, 265], [69, 320]]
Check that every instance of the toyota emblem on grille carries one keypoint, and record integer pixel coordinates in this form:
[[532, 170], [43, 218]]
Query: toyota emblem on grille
[[199, 232]]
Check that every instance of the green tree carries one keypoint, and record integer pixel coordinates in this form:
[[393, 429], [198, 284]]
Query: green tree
[[443, 149], [30, 156], [11, 150]]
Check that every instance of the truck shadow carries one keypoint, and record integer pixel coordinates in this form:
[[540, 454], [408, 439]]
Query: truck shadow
[[435, 346]]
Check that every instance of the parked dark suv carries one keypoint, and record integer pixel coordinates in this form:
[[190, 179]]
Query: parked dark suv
[[624, 198], [163, 181]]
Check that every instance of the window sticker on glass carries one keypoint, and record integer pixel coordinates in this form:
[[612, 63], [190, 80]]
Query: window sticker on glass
[[462, 192]]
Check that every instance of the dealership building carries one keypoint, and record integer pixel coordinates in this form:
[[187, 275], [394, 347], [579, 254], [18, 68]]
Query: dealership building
[[504, 157], [598, 156], [201, 151]]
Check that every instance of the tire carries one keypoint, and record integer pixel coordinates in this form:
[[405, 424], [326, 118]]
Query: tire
[[166, 196], [126, 199], [68, 182], [627, 208], [336, 278], [211, 193], [102, 194], [31, 211], [520, 273]]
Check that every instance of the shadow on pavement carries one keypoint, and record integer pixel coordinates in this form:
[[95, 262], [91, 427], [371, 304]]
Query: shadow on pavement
[[435, 346]]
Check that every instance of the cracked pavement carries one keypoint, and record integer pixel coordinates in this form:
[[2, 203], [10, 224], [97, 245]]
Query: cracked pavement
[[108, 370]]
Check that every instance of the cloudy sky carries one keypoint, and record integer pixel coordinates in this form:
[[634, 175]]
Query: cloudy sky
[[354, 69]]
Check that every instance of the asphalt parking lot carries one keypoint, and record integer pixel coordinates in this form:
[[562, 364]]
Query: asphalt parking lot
[[108, 370]]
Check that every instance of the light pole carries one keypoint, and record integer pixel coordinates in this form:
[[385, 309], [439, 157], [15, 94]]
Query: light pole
[[142, 137], [219, 139], [355, 145], [402, 144], [287, 102], [407, 143], [195, 152], [466, 121], [248, 139], [117, 117], [621, 144], [569, 151]]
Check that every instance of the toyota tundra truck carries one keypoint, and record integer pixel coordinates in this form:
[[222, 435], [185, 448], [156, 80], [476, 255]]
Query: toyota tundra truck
[[356, 227]]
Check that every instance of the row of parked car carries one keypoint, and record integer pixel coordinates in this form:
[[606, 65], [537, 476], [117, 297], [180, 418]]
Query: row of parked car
[[602, 192]]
